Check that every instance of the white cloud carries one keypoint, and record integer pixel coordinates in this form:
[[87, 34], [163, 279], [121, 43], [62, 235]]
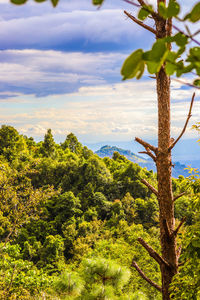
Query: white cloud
[[61, 29], [115, 112], [52, 72]]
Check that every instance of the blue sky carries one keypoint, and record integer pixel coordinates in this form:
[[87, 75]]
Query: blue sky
[[60, 69]]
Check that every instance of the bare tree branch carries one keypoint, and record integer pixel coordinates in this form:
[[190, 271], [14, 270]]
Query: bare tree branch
[[140, 23], [179, 226], [197, 32], [146, 145], [135, 265], [148, 152], [167, 229], [132, 3], [186, 123], [189, 36], [142, 3], [152, 189], [187, 83], [179, 252], [153, 253], [178, 196]]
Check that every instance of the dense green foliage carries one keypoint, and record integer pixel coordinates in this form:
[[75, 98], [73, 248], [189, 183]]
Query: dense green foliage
[[93, 207], [69, 223]]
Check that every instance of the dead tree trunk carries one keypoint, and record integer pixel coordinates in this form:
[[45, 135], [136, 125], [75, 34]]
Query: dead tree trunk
[[168, 260]]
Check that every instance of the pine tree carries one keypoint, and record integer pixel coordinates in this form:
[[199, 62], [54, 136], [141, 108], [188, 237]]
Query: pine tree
[[48, 147]]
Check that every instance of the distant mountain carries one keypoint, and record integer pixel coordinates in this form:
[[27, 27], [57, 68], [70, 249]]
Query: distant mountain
[[107, 151], [186, 150]]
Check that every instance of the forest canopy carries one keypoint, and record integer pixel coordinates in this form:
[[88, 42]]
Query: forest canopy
[[69, 223]]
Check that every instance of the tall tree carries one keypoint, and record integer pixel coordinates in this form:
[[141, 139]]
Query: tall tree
[[48, 147], [163, 62], [158, 62]]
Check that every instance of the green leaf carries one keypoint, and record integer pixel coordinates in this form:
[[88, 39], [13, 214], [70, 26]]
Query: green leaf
[[188, 69], [152, 67], [156, 56], [133, 66], [194, 16], [180, 68], [158, 50], [195, 53], [196, 82], [140, 71], [40, 1], [180, 39], [162, 10], [18, 2], [172, 56], [144, 12], [97, 2], [54, 2], [180, 51], [170, 68], [173, 9]]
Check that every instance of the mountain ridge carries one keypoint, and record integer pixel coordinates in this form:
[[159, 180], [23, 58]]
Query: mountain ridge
[[108, 151]]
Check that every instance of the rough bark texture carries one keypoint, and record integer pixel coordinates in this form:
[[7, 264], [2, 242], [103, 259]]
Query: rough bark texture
[[168, 261], [163, 164]]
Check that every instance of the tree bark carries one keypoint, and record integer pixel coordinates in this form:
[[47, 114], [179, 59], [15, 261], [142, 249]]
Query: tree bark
[[164, 164], [161, 155]]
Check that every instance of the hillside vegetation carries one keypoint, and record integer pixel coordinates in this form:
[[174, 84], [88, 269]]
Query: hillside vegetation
[[70, 220], [108, 151]]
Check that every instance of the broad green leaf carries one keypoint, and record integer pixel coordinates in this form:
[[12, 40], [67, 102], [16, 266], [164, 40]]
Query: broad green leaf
[[54, 2], [162, 10], [170, 68], [194, 16], [97, 2], [188, 68], [18, 2], [158, 50], [140, 71], [172, 56], [181, 51], [180, 68], [156, 56], [144, 12], [133, 66], [147, 55], [173, 9], [152, 67], [195, 52], [180, 39]]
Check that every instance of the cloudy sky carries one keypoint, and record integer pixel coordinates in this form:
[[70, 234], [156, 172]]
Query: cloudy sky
[[60, 69]]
